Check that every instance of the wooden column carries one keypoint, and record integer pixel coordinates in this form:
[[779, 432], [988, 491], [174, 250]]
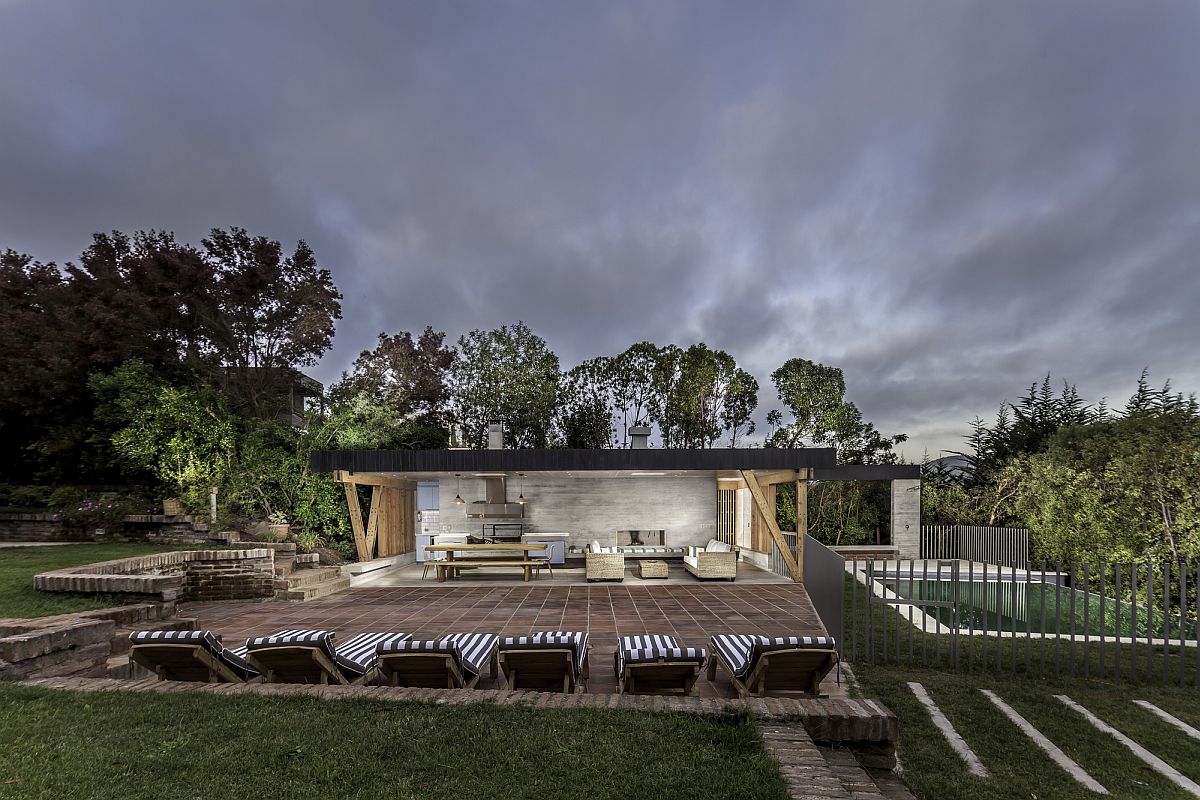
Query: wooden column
[[802, 476], [766, 513]]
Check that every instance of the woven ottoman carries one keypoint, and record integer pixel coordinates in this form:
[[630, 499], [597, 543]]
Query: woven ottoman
[[652, 569]]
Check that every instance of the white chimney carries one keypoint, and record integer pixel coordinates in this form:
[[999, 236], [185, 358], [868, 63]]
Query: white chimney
[[639, 437], [496, 436]]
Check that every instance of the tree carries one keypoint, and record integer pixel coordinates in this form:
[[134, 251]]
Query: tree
[[707, 394], [507, 374], [815, 396], [273, 314], [631, 378], [584, 418], [406, 379]]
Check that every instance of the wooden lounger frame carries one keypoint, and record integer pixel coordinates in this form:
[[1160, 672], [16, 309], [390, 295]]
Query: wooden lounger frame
[[794, 672], [283, 662], [183, 659], [656, 677], [540, 667], [435, 670]]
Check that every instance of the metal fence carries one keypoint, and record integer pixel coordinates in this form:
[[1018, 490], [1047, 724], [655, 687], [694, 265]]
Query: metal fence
[[1126, 621], [1006, 546], [824, 573]]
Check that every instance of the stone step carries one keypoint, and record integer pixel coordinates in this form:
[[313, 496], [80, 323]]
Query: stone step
[[313, 591], [312, 577], [120, 639]]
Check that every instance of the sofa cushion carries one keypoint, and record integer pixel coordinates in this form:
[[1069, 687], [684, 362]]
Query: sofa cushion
[[692, 561], [595, 546], [715, 546]]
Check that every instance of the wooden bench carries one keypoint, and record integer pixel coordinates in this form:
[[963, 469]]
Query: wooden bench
[[443, 567]]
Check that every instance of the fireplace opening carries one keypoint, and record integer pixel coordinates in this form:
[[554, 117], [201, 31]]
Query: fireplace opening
[[641, 538]]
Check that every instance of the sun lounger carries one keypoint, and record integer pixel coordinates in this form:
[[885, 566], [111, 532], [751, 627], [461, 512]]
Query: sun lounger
[[549, 660], [189, 656], [455, 661], [308, 656], [780, 665], [657, 664]]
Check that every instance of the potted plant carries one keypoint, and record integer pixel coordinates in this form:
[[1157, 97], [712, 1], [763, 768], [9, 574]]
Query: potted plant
[[278, 526]]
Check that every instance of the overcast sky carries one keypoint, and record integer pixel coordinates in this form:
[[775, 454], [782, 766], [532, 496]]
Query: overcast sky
[[945, 199]]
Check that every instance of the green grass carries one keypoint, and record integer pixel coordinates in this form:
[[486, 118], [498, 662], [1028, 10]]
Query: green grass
[[18, 565], [122, 745], [1019, 768]]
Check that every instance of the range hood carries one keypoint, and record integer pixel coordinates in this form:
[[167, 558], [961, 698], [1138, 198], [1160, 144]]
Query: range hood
[[496, 505]]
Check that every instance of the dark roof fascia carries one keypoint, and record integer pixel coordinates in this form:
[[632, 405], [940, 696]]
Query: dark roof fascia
[[568, 460], [868, 472]]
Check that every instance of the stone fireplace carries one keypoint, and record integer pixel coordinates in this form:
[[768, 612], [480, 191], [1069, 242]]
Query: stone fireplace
[[642, 538]]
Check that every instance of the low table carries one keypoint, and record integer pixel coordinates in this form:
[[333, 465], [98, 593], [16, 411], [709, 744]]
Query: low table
[[651, 568]]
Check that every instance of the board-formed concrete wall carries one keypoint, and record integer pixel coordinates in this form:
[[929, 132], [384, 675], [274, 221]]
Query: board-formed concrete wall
[[906, 517], [595, 508]]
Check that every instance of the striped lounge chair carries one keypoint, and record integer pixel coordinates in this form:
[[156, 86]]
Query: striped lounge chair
[[548, 660], [455, 661], [657, 664], [775, 665], [307, 656], [189, 656]]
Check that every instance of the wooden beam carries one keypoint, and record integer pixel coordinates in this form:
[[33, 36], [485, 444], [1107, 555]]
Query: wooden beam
[[765, 513], [777, 476], [356, 521], [372, 479], [372, 532]]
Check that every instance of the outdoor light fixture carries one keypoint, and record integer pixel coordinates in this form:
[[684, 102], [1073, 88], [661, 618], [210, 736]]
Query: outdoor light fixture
[[521, 497], [458, 501]]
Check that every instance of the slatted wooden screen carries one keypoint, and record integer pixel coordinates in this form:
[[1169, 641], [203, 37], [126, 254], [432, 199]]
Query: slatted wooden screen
[[727, 515]]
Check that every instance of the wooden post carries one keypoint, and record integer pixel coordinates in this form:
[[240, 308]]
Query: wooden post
[[356, 520], [766, 513], [801, 515]]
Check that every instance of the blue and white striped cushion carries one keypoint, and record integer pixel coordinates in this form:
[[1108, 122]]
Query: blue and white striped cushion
[[357, 654], [206, 639], [640, 549], [472, 651], [741, 652], [576, 640], [642, 649], [300, 637]]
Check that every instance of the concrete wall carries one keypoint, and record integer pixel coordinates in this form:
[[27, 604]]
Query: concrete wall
[[906, 517], [596, 508]]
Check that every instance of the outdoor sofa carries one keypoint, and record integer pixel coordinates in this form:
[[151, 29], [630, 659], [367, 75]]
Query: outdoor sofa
[[603, 563], [715, 561], [774, 665], [657, 664]]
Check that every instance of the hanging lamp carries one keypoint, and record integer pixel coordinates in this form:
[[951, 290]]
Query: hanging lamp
[[458, 501], [521, 497]]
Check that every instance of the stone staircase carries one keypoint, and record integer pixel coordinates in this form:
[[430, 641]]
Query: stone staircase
[[305, 579]]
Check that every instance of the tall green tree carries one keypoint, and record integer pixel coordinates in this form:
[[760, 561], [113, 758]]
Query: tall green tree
[[275, 314], [507, 374], [584, 418], [631, 376]]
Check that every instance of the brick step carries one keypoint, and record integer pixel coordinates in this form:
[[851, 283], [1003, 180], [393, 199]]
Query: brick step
[[311, 577], [120, 639], [860, 777], [313, 591]]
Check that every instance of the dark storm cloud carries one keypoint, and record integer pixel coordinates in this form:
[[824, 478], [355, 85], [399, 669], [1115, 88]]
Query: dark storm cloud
[[946, 200]]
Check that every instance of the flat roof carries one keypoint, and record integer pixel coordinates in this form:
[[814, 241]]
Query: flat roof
[[570, 460]]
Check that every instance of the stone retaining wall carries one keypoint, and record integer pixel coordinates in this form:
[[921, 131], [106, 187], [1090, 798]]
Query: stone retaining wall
[[179, 575], [138, 528], [68, 644]]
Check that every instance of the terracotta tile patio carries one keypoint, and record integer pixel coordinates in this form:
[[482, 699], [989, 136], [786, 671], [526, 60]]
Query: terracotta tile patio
[[690, 612]]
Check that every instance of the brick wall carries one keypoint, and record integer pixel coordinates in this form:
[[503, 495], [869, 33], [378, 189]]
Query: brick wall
[[228, 574], [141, 528]]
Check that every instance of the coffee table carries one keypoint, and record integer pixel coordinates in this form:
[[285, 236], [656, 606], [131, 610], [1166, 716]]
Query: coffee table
[[652, 569]]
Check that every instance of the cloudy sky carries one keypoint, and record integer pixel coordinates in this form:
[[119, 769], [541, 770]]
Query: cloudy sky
[[945, 199]]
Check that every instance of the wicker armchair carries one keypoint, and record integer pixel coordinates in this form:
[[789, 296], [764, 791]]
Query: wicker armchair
[[710, 565], [605, 566]]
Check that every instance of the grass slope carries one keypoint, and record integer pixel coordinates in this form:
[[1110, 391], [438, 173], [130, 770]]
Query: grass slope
[[18, 565], [123, 745]]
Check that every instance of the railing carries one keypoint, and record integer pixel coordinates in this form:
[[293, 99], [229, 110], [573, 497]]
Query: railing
[[1124, 621], [824, 581], [1005, 546]]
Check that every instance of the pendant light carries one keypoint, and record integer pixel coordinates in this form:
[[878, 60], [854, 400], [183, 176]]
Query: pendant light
[[458, 501], [521, 497]]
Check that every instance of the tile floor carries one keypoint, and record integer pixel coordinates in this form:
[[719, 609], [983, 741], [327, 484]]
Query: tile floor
[[691, 612]]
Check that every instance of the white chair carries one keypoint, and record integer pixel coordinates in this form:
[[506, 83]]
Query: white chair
[[440, 555]]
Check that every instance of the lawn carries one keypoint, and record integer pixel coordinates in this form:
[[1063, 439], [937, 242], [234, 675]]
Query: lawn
[[1019, 769], [192, 745], [18, 565]]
